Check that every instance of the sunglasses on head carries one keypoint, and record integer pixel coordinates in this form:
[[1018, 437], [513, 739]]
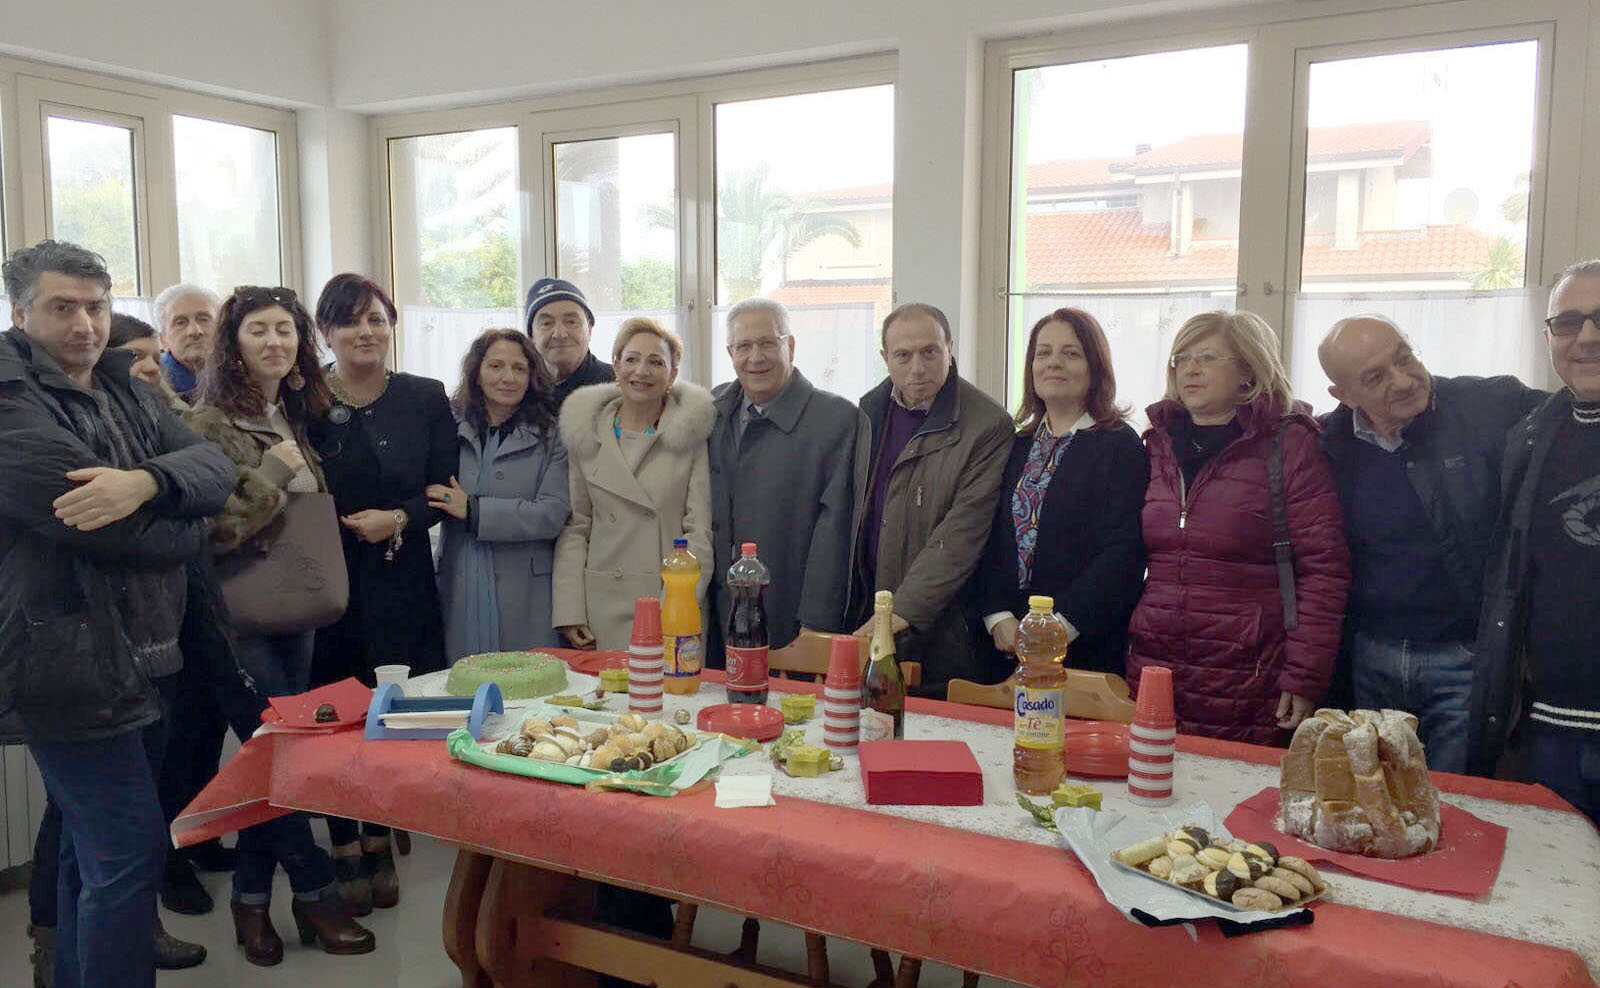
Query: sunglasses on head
[[257, 294]]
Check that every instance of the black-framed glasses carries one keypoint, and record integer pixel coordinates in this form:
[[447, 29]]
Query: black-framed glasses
[[1571, 323]]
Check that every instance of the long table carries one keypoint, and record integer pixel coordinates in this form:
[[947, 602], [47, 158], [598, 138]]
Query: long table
[[1020, 909]]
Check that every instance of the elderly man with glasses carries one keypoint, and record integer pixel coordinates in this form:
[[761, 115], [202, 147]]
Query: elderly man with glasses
[[1416, 460], [1536, 696], [784, 475]]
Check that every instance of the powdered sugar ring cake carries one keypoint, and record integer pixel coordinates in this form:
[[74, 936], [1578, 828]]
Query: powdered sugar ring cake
[[520, 675]]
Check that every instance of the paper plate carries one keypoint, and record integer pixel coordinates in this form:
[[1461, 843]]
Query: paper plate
[[350, 700], [1097, 750], [755, 721], [591, 662]]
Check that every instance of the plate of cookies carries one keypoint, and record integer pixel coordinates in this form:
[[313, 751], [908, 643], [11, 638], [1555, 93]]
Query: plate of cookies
[[1238, 874], [581, 746]]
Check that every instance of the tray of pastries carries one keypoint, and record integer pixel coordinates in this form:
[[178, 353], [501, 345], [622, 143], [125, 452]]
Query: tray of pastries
[[1239, 874]]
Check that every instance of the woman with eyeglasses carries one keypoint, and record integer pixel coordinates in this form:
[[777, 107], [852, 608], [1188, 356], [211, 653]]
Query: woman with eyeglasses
[[259, 392], [1067, 524], [387, 437], [1245, 608], [506, 503]]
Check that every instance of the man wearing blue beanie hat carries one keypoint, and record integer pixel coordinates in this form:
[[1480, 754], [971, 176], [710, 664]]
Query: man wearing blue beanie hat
[[560, 322]]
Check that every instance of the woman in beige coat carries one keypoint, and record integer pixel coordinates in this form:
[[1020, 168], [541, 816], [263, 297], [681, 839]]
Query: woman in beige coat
[[639, 477]]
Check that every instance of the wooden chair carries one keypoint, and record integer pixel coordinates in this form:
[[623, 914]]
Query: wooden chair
[[1088, 696]]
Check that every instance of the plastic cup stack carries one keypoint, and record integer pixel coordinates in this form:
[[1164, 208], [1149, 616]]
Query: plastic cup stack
[[646, 661], [1152, 739], [841, 694]]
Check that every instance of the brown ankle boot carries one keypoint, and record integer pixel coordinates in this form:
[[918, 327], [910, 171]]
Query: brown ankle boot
[[377, 863], [252, 928], [327, 920], [355, 885]]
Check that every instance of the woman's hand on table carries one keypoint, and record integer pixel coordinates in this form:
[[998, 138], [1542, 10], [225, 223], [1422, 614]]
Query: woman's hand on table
[[1292, 709], [450, 499], [577, 635], [1004, 633], [371, 525]]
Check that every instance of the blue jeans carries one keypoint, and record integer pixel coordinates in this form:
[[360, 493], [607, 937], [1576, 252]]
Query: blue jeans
[[1432, 680], [280, 666], [1567, 761], [113, 840]]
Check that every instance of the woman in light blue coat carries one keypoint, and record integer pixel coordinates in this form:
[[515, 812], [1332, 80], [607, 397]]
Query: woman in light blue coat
[[506, 504]]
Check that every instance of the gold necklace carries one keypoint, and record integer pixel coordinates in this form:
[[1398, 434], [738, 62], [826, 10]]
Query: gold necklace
[[343, 394]]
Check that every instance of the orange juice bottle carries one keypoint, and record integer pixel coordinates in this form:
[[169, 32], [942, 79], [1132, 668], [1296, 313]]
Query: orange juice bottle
[[680, 619], [1037, 764]]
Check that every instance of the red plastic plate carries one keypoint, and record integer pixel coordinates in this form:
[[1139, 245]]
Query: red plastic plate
[[1097, 750], [350, 701], [755, 721]]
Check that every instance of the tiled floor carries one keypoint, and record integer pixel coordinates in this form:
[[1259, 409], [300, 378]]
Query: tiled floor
[[410, 953]]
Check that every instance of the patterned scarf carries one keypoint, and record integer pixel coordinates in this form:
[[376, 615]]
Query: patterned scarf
[[1028, 498]]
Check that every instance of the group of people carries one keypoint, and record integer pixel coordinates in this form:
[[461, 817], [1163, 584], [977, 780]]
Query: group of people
[[1431, 545]]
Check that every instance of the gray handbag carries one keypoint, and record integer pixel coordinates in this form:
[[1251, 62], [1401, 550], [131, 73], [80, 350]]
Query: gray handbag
[[291, 577]]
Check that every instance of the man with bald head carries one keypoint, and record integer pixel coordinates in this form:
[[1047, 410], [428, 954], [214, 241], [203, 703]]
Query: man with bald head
[[1416, 459]]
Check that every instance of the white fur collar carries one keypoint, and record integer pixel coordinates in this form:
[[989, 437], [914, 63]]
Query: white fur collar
[[588, 411]]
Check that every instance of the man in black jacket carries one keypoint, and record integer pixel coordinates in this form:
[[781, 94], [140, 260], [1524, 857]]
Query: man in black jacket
[[1537, 690], [103, 498], [1416, 459], [560, 322]]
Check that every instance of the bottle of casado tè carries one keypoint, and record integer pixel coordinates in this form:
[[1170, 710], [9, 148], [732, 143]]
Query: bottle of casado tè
[[883, 692]]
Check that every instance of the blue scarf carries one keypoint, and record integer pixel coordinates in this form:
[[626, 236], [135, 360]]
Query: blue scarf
[[483, 608], [182, 379]]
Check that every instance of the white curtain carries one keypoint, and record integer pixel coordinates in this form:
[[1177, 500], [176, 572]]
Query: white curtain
[[1482, 333], [435, 340]]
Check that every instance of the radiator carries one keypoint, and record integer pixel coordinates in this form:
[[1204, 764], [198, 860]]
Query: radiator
[[21, 805]]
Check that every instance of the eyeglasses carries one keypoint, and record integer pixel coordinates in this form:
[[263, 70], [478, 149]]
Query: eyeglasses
[[1571, 323], [1205, 359], [768, 347]]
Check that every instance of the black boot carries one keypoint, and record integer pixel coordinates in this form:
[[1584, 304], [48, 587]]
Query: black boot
[[173, 954], [181, 890], [43, 956]]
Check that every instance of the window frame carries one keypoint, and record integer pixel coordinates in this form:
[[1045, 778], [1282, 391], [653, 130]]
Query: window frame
[[30, 89], [690, 102], [1283, 40]]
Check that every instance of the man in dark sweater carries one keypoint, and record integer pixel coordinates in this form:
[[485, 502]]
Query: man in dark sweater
[[1417, 462], [939, 449], [560, 322], [1538, 683]]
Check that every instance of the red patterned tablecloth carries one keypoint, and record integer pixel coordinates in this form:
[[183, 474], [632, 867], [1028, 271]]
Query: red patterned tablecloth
[[1025, 912]]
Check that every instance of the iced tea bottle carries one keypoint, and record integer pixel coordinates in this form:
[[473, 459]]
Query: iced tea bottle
[[1037, 758], [680, 619]]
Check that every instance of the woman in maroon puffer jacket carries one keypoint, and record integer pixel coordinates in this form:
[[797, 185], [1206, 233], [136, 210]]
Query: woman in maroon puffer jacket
[[1212, 610]]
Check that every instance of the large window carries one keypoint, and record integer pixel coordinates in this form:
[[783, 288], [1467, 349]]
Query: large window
[[672, 202], [228, 206], [455, 242], [166, 185], [616, 226], [1316, 165], [1417, 173], [94, 200], [1125, 193], [805, 215]]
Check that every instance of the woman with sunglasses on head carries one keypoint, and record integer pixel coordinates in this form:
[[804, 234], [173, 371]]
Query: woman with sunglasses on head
[[506, 503], [259, 392], [386, 438], [1250, 633], [1067, 524]]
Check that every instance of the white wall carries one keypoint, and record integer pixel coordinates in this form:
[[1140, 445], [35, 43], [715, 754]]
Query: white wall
[[274, 52]]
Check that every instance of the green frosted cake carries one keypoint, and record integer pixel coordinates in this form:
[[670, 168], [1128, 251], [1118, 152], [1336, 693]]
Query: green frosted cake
[[520, 675]]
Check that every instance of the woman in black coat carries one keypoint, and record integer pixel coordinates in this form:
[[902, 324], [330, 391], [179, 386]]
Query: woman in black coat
[[1067, 524], [388, 436]]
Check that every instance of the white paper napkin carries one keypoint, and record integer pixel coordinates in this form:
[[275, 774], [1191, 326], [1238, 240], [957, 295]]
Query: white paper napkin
[[744, 790]]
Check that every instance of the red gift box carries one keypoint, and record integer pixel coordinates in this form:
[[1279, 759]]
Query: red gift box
[[921, 773]]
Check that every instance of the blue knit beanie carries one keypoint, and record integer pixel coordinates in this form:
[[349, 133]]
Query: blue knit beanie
[[547, 290]]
